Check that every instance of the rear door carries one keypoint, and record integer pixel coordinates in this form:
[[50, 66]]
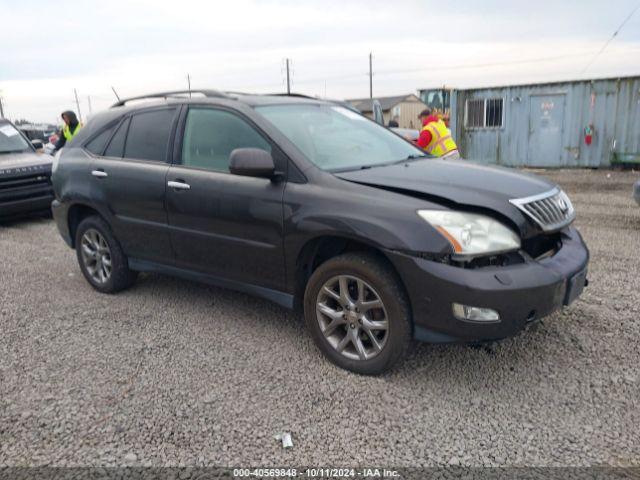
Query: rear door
[[226, 225], [130, 179]]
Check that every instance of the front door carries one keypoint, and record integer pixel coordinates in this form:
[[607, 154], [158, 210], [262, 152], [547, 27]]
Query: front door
[[130, 181], [546, 121], [226, 225]]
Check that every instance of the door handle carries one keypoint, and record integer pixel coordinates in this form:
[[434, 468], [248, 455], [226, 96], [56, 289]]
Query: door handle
[[179, 185], [99, 173]]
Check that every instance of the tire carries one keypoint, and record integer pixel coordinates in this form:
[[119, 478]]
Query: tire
[[94, 235], [362, 321]]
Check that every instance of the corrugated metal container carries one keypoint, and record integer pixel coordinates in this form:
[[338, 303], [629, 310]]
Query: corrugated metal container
[[543, 125]]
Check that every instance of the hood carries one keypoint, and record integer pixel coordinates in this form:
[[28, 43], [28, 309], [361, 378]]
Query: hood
[[21, 163], [458, 183]]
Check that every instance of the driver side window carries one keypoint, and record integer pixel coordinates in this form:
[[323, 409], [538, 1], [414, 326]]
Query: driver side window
[[211, 135]]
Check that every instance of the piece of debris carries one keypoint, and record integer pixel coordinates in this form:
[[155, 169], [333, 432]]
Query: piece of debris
[[286, 439]]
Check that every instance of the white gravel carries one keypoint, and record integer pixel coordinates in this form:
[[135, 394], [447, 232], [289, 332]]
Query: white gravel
[[176, 373]]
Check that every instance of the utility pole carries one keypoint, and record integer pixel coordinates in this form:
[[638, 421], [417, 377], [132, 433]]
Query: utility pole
[[288, 79], [370, 76], [89, 102], [189, 84], [1, 108], [77, 105]]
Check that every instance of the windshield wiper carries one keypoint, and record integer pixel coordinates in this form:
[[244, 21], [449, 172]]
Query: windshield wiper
[[13, 151], [409, 158]]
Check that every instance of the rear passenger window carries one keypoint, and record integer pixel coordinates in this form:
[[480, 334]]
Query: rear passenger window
[[96, 146], [148, 136], [116, 145], [211, 135]]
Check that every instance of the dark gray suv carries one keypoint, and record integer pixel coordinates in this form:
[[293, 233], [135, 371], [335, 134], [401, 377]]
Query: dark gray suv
[[311, 205]]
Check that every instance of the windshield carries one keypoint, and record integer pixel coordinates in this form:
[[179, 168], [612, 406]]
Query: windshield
[[336, 139], [11, 141]]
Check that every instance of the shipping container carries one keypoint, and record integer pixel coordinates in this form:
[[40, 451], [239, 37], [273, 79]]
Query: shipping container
[[582, 123]]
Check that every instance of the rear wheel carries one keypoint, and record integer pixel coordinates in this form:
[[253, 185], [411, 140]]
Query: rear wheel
[[358, 313], [101, 259]]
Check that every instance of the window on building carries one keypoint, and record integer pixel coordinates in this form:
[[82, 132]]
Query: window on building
[[493, 113], [475, 113], [484, 113]]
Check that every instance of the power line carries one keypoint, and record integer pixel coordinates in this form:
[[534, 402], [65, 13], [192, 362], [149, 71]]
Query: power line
[[606, 44], [448, 67], [451, 67], [488, 64]]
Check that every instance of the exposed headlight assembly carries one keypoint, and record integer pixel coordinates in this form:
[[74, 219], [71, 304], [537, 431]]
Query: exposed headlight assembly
[[471, 233]]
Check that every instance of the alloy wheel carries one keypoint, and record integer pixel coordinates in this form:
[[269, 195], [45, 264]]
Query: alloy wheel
[[352, 317], [96, 255]]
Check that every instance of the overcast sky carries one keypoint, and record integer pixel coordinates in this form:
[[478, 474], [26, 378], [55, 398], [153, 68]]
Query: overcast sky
[[141, 46]]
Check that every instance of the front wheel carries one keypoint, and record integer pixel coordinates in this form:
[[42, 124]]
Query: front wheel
[[358, 313]]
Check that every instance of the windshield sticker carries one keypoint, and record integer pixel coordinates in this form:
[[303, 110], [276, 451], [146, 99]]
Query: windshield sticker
[[8, 131]]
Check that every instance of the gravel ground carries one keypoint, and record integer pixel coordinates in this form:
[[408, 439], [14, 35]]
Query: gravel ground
[[176, 373]]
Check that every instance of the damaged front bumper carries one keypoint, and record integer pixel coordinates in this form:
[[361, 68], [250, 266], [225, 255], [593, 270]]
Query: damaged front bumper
[[520, 293]]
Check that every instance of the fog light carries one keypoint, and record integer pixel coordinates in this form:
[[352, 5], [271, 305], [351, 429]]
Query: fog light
[[475, 314]]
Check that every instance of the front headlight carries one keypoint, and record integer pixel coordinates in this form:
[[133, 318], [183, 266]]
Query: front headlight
[[471, 233]]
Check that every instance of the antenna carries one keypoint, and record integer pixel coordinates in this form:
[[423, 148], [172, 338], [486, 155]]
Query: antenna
[[115, 93]]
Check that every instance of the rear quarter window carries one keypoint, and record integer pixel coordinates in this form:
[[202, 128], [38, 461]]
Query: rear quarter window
[[116, 145], [99, 142]]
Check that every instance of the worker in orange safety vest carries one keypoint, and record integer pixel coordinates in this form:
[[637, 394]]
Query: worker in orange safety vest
[[435, 137]]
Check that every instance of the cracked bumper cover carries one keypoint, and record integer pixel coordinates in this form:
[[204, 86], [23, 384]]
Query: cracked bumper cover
[[519, 293]]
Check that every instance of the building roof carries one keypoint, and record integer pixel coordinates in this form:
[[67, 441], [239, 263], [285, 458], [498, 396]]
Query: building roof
[[365, 105], [536, 84]]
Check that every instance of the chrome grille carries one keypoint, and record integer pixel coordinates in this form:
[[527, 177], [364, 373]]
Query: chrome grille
[[29, 186], [550, 210]]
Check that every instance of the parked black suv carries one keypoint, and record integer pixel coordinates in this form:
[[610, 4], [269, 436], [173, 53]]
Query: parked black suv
[[307, 203], [25, 175]]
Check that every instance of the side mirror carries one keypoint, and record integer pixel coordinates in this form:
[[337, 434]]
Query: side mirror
[[37, 144], [252, 162]]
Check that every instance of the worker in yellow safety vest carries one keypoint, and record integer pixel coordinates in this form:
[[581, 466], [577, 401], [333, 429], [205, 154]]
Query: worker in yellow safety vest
[[69, 130], [435, 137]]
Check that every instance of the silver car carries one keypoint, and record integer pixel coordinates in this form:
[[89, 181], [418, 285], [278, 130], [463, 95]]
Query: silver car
[[25, 174]]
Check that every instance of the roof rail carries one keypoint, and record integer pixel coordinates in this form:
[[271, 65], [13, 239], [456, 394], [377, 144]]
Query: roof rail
[[299, 95], [205, 92]]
